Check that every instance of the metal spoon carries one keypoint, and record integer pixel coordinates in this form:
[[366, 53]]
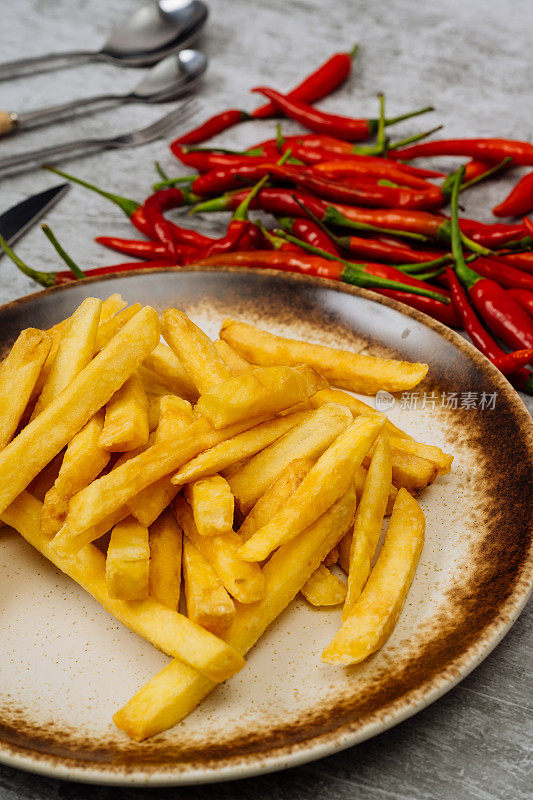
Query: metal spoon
[[173, 76], [156, 30]]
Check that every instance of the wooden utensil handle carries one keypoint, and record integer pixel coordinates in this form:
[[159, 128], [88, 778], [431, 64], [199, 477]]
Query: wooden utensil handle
[[8, 122]]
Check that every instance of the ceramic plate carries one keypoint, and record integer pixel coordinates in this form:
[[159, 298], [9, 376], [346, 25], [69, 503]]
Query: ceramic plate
[[67, 666]]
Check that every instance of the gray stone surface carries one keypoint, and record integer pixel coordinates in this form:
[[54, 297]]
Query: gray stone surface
[[471, 59]]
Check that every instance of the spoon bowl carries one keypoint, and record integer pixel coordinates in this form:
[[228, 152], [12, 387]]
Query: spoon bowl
[[171, 77]]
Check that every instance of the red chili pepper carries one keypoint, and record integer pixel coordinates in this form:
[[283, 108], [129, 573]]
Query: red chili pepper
[[314, 265], [522, 261], [519, 201], [370, 166], [134, 247], [502, 273], [447, 314], [373, 194], [309, 232], [528, 224], [525, 298], [277, 243], [169, 234], [482, 338], [493, 236], [225, 179], [482, 149], [204, 161], [212, 126], [503, 315], [238, 225], [318, 84], [353, 130], [510, 363]]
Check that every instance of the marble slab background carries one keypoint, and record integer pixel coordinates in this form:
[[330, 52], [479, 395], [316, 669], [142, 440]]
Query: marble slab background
[[472, 60]]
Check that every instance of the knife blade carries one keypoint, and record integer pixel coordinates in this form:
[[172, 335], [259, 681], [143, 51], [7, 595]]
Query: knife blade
[[18, 219]]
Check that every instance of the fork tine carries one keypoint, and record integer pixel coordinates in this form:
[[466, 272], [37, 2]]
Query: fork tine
[[160, 126]]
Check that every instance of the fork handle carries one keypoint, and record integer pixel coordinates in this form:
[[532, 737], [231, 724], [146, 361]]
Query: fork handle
[[49, 152], [11, 122], [10, 69]]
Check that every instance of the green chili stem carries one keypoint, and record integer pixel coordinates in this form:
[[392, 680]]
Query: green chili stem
[[128, 206], [62, 253], [464, 273], [44, 278]]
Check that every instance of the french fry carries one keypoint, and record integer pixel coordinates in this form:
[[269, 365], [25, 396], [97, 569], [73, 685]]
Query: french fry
[[127, 563], [76, 348], [309, 439], [83, 461], [111, 306], [110, 492], [166, 365], [356, 406], [167, 630], [238, 448], [41, 440], [208, 603], [243, 581], [369, 520], [332, 557], [344, 548], [165, 560], [324, 588], [426, 451], [175, 691], [235, 363], [409, 470], [359, 481], [256, 391], [275, 496], [375, 613], [46, 478], [126, 418], [212, 505], [326, 481], [194, 349], [111, 326], [175, 415], [19, 372], [346, 370]]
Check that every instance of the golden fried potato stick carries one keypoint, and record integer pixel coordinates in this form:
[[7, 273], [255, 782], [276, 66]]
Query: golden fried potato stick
[[76, 348], [176, 415], [175, 691], [126, 418], [235, 363], [342, 368], [208, 603], [426, 451], [324, 588], [325, 482], [194, 349], [165, 560], [359, 480], [238, 448], [409, 471], [19, 372], [83, 461], [212, 505], [258, 391], [127, 564], [110, 492], [332, 557], [167, 630], [356, 406], [309, 439], [38, 443], [323, 584], [111, 306], [108, 329], [166, 365], [242, 580], [368, 521], [275, 496], [374, 615]]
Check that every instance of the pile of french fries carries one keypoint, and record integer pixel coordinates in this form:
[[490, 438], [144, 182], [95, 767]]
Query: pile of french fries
[[231, 468]]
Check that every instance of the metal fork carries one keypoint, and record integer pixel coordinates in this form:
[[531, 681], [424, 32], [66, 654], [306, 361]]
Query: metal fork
[[156, 130]]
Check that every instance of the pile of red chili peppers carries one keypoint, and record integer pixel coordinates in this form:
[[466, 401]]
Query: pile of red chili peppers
[[338, 203]]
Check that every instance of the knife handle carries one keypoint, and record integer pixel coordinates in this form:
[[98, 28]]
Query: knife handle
[[8, 122]]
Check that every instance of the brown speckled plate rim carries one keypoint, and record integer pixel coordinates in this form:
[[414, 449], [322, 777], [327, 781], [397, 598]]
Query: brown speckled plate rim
[[341, 736]]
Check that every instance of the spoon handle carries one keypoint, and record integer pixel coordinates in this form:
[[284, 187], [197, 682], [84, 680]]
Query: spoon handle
[[53, 113], [11, 69]]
